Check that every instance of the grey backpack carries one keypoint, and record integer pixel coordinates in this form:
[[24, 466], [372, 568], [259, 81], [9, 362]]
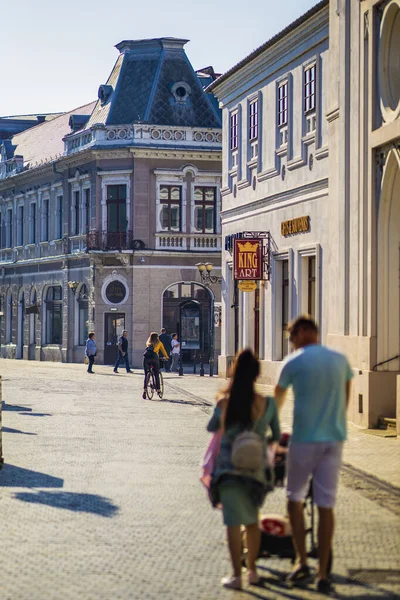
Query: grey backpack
[[248, 450]]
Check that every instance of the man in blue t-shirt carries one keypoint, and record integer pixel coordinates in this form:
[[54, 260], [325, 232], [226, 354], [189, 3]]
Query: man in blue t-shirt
[[320, 378]]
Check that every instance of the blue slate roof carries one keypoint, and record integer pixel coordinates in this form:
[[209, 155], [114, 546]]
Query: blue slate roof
[[142, 84]]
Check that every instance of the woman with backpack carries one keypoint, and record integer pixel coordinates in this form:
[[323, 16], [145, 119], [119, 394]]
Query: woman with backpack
[[150, 358], [241, 477]]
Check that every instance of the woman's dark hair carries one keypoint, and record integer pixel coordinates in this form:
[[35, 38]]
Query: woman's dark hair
[[91, 334], [241, 391]]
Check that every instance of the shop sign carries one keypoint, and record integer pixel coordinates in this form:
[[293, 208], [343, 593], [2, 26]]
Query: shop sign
[[248, 259], [295, 225], [115, 292], [247, 286]]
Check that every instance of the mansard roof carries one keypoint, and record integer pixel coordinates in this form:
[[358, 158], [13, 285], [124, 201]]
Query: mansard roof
[[153, 82], [11, 125], [43, 142]]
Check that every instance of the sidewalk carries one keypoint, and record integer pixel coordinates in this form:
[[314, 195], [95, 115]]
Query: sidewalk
[[377, 456]]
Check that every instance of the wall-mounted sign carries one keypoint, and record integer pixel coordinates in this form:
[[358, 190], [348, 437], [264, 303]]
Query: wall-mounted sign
[[247, 286], [295, 225], [115, 292], [248, 259]]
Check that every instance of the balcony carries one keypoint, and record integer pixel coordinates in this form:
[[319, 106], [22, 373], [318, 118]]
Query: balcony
[[103, 240]]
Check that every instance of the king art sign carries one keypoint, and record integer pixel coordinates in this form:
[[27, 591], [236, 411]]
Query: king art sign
[[248, 259]]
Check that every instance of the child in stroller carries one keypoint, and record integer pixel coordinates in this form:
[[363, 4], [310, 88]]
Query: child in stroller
[[276, 534]]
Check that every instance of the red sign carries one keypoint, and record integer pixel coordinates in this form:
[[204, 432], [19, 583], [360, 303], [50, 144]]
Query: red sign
[[248, 259]]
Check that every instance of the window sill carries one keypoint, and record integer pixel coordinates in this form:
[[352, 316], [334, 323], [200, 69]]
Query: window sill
[[282, 150]]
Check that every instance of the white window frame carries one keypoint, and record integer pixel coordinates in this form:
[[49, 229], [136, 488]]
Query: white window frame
[[303, 254], [276, 282], [116, 178]]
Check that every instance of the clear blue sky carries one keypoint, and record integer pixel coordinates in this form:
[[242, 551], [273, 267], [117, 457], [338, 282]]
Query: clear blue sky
[[56, 54]]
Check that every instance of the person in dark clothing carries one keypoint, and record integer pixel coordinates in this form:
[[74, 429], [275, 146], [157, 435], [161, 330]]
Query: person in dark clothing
[[166, 341], [123, 352]]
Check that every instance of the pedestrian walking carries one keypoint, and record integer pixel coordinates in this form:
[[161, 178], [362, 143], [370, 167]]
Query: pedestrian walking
[[175, 352], [123, 352], [90, 351], [166, 340], [321, 385], [240, 479]]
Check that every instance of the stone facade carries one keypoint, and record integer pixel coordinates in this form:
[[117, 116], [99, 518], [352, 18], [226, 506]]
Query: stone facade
[[88, 239]]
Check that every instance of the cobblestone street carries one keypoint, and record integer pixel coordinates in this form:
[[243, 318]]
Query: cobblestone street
[[101, 499]]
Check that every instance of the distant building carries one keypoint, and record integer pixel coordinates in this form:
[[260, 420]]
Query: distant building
[[311, 158], [106, 210]]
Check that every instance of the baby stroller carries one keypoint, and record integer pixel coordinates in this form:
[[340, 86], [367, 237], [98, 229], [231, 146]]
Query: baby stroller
[[276, 536]]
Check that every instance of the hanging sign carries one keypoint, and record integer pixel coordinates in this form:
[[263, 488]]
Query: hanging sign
[[247, 286], [248, 259]]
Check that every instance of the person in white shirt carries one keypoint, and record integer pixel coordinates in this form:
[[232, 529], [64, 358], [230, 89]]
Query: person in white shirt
[[176, 348]]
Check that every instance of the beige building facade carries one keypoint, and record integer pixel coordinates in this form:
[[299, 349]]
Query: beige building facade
[[320, 176]]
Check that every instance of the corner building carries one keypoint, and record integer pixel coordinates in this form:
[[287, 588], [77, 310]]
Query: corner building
[[106, 210]]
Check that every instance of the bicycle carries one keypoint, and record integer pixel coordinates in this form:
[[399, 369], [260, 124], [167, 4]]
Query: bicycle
[[151, 384]]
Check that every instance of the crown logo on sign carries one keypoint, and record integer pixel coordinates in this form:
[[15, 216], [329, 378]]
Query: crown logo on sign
[[248, 247]]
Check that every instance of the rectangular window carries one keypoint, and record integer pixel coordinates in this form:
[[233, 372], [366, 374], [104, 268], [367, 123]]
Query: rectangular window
[[87, 209], [283, 104], [170, 209], [311, 286], [285, 307], [1, 231], [253, 120], [76, 213], [59, 218], [9, 234], [234, 131], [20, 226], [116, 209], [309, 89], [205, 209], [54, 315], [32, 220], [46, 220]]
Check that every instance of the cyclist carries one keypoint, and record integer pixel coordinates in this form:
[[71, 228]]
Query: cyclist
[[150, 358]]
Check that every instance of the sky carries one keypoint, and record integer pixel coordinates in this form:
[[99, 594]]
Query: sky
[[56, 54]]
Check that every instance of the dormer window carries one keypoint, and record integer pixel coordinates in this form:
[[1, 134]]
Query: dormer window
[[104, 93], [181, 91]]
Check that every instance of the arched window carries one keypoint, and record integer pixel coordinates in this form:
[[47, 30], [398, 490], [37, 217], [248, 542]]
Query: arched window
[[9, 318], [82, 315], [54, 315]]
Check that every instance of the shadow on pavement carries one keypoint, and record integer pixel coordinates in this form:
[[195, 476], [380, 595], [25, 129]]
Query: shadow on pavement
[[12, 476], [88, 503], [10, 430], [15, 407], [32, 414], [188, 402]]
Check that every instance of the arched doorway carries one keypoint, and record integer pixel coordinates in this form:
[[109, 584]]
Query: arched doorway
[[388, 330], [21, 325], [32, 310], [188, 311]]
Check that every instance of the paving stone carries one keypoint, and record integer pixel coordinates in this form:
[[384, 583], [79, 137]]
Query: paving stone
[[100, 496]]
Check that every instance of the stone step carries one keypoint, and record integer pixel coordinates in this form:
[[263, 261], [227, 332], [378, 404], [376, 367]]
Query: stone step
[[388, 423]]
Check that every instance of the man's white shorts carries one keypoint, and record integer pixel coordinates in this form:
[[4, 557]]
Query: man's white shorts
[[318, 460]]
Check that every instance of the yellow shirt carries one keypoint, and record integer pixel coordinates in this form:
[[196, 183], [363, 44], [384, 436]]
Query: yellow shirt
[[158, 347]]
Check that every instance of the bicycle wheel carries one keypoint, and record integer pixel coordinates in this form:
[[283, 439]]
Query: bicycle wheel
[[150, 387], [161, 392]]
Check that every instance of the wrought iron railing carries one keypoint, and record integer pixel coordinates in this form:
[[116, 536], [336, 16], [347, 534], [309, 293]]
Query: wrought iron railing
[[104, 240]]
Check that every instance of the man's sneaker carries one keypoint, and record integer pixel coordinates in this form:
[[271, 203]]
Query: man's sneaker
[[301, 576], [144, 395], [115, 371], [324, 586]]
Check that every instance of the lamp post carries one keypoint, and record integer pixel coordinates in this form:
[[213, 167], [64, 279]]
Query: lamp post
[[206, 277]]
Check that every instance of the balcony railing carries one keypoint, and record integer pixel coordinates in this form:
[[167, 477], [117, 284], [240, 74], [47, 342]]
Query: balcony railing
[[104, 240]]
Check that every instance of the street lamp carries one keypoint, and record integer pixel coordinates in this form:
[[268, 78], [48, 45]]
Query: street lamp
[[206, 277], [205, 273]]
